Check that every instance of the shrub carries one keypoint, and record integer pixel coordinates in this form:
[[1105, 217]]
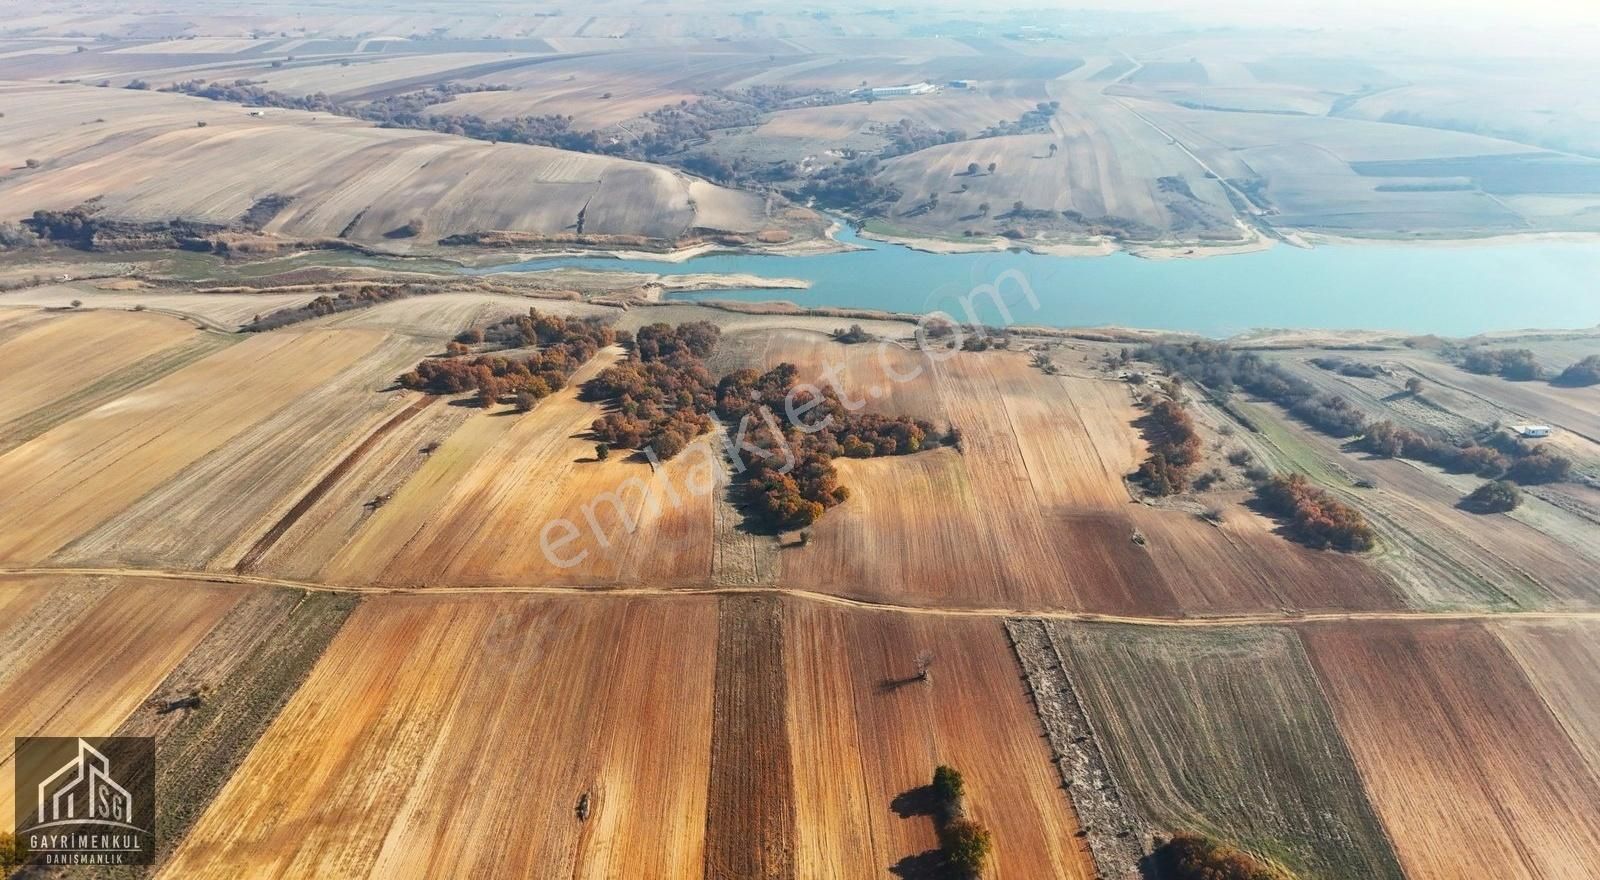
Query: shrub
[[526, 400], [1315, 517], [1517, 364], [1541, 466], [1414, 385], [1496, 496], [1194, 857], [948, 786], [1582, 373], [30, 163], [967, 846]]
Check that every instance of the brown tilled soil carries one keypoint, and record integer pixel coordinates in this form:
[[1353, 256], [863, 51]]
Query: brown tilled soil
[[1470, 772], [750, 815], [1115, 833]]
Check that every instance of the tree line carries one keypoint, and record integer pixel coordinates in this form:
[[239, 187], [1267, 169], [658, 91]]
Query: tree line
[[1220, 368], [1174, 448], [344, 301], [1520, 365]]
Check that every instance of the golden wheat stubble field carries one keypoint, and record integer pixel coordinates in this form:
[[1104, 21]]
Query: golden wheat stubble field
[[143, 156], [474, 512], [54, 357], [71, 479], [78, 655], [1041, 466], [455, 736]]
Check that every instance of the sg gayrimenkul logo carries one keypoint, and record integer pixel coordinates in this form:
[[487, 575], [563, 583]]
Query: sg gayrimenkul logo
[[85, 800]]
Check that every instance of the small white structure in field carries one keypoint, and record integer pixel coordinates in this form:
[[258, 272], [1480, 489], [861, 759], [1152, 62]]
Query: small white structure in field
[[1531, 430], [921, 88]]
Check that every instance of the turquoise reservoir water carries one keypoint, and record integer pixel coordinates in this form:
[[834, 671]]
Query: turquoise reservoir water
[[1454, 290]]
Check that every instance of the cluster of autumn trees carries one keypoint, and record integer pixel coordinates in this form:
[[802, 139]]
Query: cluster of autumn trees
[[663, 397], [1521, 462], [1195, 857], [1221, 369], [801, 430], [1517, 364], [1314, 516], [1218, 367], [1583, 373], [344, 301], [565, 345], [1174, 448], [663, 394]]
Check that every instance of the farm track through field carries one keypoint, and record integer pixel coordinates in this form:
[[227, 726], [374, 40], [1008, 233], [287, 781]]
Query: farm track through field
[[1260, 619], [328, 481]]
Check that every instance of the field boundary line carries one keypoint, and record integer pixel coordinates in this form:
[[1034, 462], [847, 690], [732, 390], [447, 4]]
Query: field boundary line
[[814, 596]]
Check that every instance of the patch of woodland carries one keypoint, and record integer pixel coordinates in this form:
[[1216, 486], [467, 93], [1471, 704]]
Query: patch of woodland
[[1516, 364], [1222, 369], [663, 396], [85, 228], [667, 136], [1520, 365], [805, 427], [1188, 856], [853, 336], [786, 433], [564, 345], [1313, 516], [1175, 446], [1500, 456], [343, 301], [1347, 367], [1581, 374]]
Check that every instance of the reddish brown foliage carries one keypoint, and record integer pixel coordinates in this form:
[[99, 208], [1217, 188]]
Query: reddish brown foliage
[[1193, 857], [802, 428], [663, 394], [567, 344], [1174, 448], [1315, 517]]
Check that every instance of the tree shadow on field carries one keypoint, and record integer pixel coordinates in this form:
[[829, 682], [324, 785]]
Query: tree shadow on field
[[890, 685], [925, 865], [928, 864], [919, 801]]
